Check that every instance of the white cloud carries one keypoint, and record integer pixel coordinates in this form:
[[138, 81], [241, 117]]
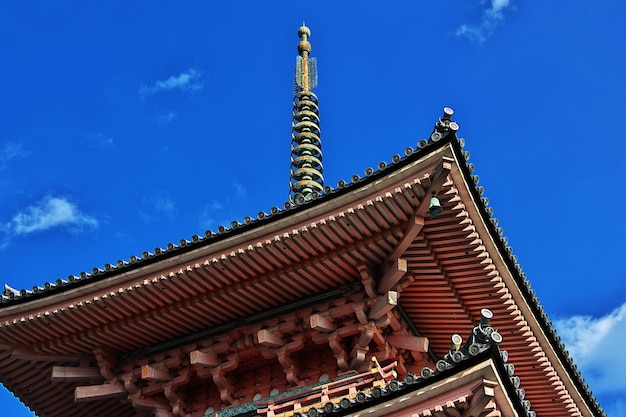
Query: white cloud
[[11, 151], [596, 346], [186, 81], [491, 18], [50, 212]]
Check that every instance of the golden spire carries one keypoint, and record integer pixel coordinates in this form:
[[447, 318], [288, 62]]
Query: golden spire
[[306, 181]]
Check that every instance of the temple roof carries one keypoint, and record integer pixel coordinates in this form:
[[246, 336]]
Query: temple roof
[[456, 264]]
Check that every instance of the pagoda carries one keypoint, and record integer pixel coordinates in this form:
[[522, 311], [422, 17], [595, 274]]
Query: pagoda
[[392, 294]]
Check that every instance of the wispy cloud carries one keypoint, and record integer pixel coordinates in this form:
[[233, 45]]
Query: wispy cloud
[[240, 189], [595, 344], [492, 16], [157, 205], [215, 205], [187, 81], [208, 219], [220, 212], [99, 140], [165, 204], [164, 119], [11, 151], [50, 212]]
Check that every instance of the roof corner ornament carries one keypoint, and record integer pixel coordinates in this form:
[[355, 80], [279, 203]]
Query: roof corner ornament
[[306, 179], [444, 126], [480, 339]]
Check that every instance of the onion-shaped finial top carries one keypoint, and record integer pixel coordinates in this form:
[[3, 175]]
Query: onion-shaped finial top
[[303, 33]]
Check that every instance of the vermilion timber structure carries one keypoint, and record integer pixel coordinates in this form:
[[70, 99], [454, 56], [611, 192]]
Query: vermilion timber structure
[[392, 294]]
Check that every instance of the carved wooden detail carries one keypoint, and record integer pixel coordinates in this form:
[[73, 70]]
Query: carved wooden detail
[[355, 329], [106, 362], [368, 281]]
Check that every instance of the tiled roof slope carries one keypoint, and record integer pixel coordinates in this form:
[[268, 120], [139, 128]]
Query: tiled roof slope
[[443, 133]]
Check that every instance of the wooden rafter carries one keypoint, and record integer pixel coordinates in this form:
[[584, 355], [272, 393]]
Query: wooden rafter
[[416, 223], [384, 304], [152, 373], [75, 373], [321, 323], [392, 275], [267, 338], [439, 178], [98, 392], [24, 353], [482, 395], [412, 343], [197, 357]]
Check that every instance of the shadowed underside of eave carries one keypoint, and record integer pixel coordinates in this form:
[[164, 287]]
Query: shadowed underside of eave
[[460, 279]]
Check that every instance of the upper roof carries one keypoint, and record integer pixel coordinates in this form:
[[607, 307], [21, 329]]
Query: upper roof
[[460, 259]]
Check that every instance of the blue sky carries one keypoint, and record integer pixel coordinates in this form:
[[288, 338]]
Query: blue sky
[[128, 125]]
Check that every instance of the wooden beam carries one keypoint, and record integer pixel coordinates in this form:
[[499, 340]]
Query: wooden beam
[[151, 373], [483, 393], [151, 404], [267, 338], [384, 304], [98, 392], [416, 223], [23, 353], [440, 176], [412, 343], [203, 358], [392, 275], [321, 323], [73, 373]]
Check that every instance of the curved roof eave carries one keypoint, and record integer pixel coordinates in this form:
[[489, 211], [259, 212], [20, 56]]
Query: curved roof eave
[[247, 225]]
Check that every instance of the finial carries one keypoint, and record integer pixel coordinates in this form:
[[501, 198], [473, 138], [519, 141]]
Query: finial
[[304, 33], [306, 180]]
